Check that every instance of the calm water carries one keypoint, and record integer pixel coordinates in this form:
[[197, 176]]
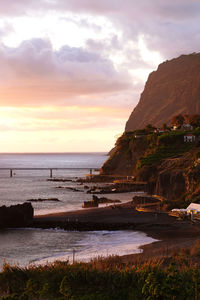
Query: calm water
[[27, 184], [24, 246]]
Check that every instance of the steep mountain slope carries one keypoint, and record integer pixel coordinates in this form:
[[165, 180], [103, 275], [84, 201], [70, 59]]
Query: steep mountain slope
[[173, 89]]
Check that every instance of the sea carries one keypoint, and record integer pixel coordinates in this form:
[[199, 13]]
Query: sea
[[28, 246]]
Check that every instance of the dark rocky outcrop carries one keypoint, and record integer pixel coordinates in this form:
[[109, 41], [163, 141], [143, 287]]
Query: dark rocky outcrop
[[176, 180], [173, 89], [102, 200], [69, 188], [19, 215], [43, 200], [98, 200], [119, 186], [59, 180]]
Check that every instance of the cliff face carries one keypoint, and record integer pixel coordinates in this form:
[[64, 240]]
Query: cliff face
[[173, 89], [174, 178], [169, 165]]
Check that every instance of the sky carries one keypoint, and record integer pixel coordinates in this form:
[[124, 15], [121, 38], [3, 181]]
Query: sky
[[71, 71]]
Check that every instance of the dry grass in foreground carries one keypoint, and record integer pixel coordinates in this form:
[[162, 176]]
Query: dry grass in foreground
[[175, 276]]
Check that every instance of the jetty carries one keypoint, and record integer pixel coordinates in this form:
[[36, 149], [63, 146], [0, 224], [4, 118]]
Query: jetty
[[50, 169]]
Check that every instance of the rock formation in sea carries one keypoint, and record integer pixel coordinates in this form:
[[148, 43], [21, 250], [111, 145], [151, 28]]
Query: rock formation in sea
[[19, 215], [173, 89]]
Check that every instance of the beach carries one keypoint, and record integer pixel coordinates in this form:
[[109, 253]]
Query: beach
[[171, 234]]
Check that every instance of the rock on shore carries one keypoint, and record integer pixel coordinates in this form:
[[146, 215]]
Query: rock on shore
[[19, 215]]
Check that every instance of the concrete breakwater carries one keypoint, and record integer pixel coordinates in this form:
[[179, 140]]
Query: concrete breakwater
[[114, 217], [119, 186]]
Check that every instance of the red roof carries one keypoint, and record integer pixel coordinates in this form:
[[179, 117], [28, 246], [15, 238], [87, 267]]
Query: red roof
[[189, 134]]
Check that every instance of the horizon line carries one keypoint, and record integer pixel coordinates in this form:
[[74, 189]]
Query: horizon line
[[74, 152]]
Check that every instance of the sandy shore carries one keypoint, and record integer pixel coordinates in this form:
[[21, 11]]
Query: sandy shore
[[171, 233]]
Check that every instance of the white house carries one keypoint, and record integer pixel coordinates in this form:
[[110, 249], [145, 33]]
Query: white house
[[195, 207], [189, 138], [187, 127], [193, 210]]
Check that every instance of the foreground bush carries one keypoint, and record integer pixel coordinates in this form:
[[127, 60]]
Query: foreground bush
[[86, 282]]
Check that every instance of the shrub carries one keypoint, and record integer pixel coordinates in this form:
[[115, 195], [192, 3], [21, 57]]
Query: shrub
[[195, 250]]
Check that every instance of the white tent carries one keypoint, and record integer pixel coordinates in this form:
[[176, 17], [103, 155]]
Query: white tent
[[194, 206]]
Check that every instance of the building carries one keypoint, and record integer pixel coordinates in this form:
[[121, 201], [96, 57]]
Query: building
[[187, 127], [195, 207], [192, 211], [161, 130], [189, 138]]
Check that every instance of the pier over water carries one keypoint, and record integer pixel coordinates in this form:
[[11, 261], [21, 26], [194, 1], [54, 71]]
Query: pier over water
[[11, 170]]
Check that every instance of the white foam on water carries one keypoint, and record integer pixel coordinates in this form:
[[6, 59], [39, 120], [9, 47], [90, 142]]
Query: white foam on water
[[39, 246], [102, 244]]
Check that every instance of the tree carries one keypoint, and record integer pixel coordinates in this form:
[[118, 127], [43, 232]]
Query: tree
[[164, 127], [177, 120], [187, 119], [194, 120], [149, 128]]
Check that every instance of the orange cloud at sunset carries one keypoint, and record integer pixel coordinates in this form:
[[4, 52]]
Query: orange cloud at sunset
[[72, 71], [61, 96], [48, 128], [59, 118]]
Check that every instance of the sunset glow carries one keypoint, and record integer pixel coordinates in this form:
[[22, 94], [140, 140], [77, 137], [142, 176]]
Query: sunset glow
[[71, 72]]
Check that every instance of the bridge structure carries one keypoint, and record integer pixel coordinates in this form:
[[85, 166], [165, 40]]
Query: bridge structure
[[11, 170]]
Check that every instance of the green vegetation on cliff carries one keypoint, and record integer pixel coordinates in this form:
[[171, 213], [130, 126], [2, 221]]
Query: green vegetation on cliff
[[139, 148], [166, 145], [169, 164]]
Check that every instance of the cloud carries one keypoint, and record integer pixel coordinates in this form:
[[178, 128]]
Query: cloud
[[171, 27], [6, 29], [61, 118], [165, 26], [119, 42], [20, 7], [34, 71]]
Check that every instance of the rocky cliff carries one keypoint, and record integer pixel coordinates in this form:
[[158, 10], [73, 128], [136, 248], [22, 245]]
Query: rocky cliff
[[173, 89], [170, 166]]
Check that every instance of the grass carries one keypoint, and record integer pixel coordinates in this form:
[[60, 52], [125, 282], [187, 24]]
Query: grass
[[170, 275], [164, 152]]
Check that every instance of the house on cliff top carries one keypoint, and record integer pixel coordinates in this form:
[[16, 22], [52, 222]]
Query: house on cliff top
[[189, 138], [187, 127]]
